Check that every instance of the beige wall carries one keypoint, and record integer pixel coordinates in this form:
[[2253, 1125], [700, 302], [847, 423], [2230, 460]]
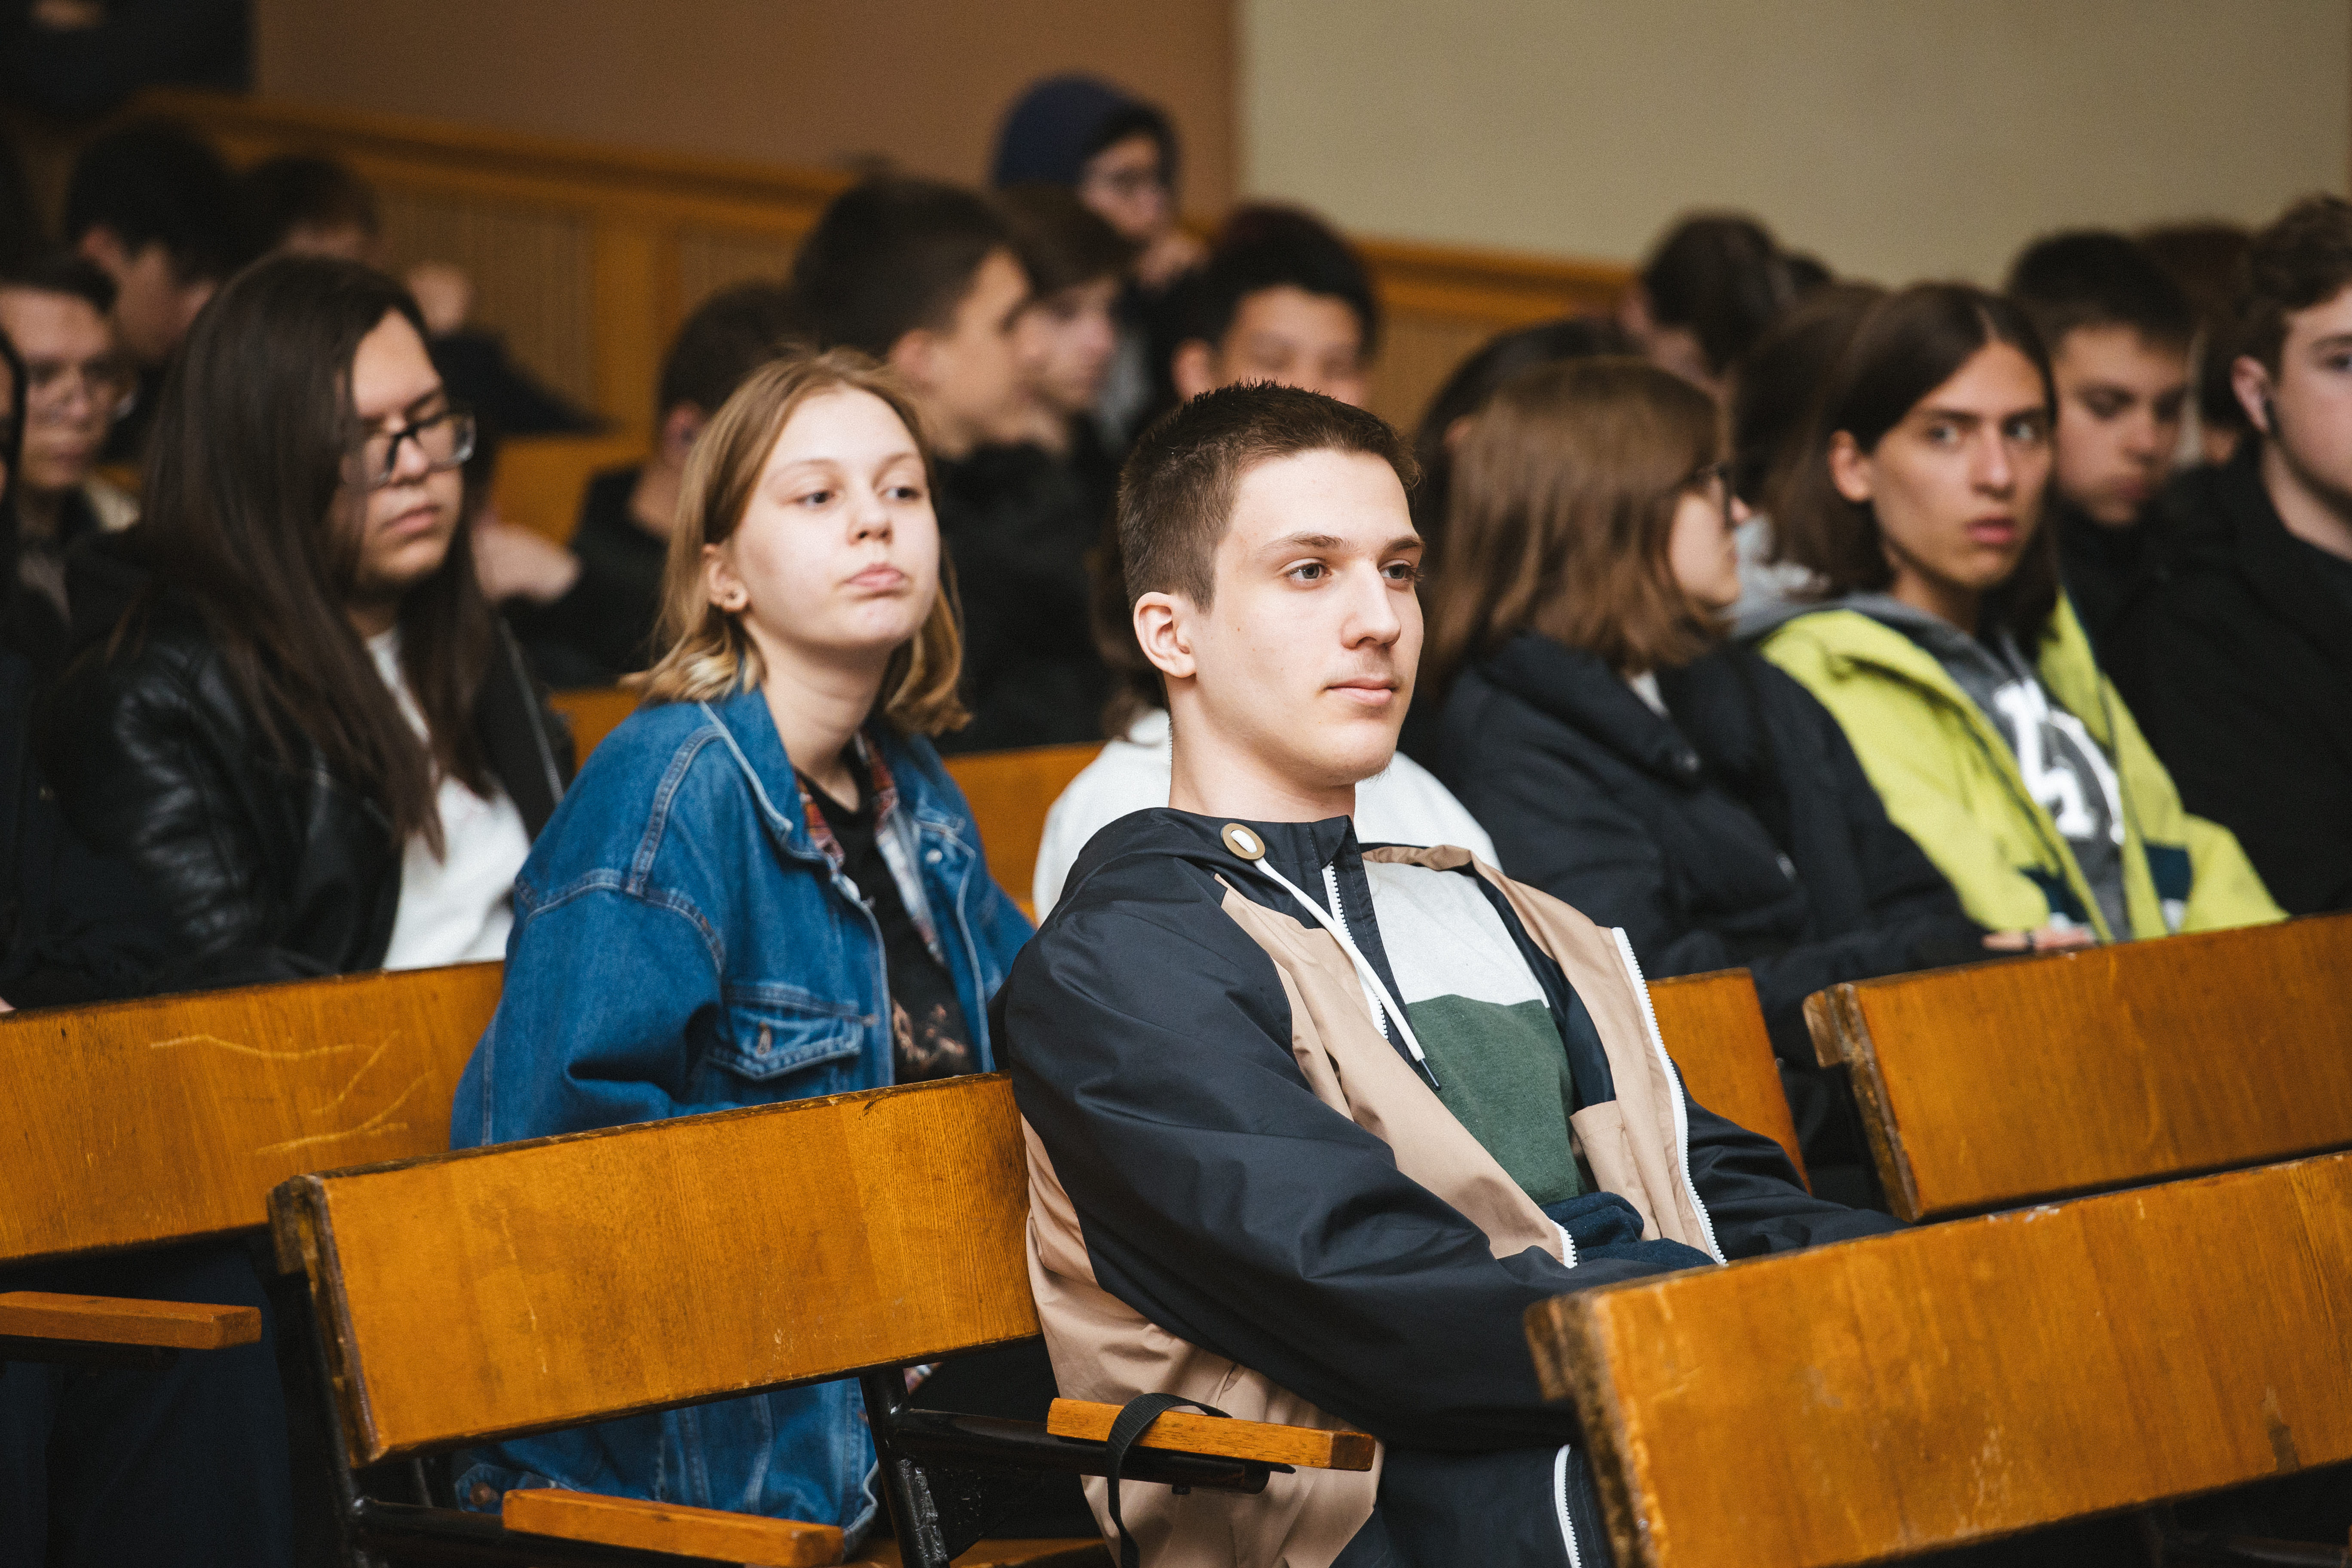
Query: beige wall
[[1894, 138], [922, 82]]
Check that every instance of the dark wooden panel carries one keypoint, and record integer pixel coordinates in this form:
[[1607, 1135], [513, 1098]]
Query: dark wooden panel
[[2002, 1083], [1968, 1380]]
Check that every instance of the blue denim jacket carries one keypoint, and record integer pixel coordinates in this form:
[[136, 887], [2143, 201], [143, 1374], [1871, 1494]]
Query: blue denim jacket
[[680, 945]]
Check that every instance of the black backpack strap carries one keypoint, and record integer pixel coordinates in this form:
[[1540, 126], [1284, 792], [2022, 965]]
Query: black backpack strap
[[1134, 1419]]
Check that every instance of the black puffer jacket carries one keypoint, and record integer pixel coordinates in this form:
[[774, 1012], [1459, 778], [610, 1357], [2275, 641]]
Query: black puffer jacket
[[252, 871], [1743, 831]]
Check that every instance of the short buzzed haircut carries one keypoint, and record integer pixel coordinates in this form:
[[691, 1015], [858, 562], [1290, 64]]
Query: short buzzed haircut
[[303, 190], [157, 182], [1064, 242], [893, 255], [1268, 247], [1176, 493], [2303, 260], [729, 335], [2097, 278]]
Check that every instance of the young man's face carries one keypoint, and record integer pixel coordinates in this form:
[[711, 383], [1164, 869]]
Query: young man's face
[[1305, 658], [1282, 334], [2305, 410], [2119, 402], [153, 305], [1126, 186], [969, 374], [1067, 341]]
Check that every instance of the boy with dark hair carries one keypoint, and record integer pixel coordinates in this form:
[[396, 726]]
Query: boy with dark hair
[[2118, 330], [1283, 298], [1714, 284], [926, 278], [310, 206], [1312, 1123], [2235, 650], [154, 206], [587, 616]]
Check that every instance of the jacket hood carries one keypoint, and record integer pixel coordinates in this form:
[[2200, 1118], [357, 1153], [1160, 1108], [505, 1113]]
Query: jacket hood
[[1060, 122], [1578, 688]]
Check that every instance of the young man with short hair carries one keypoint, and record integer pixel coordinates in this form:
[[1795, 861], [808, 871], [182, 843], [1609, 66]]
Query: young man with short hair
[[1283, 298], [1311, 1123], [57, 312], [926, 278], [2118, 330], [2235, 653]]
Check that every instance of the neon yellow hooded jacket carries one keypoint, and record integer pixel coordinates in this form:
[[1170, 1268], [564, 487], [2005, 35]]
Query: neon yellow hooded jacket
[[1949, 780]]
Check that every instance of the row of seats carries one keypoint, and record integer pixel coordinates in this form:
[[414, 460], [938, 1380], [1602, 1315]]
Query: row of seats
[[1932, 1387]]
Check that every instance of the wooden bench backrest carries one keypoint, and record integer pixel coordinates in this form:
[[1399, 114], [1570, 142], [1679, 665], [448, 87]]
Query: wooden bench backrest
[[594, 712], [172, 1117], [2002, 1083], [538, 1284], [1010, 793], [1714, 1028], [1962, 1381]]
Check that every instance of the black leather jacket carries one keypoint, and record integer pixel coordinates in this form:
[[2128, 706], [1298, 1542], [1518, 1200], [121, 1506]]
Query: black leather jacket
[[250, 871]]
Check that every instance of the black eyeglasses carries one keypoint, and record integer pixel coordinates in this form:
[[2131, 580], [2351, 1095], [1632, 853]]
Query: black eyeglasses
[[446, 439]]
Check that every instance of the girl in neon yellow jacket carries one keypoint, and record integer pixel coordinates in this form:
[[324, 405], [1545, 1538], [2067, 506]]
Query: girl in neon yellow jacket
[[1917, 506]]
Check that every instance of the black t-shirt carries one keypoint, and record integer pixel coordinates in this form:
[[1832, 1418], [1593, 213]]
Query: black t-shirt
[[930, 1036], [2329, 569]]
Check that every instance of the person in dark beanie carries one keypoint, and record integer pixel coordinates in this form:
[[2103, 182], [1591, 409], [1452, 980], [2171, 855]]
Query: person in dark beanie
[[1119, 155]]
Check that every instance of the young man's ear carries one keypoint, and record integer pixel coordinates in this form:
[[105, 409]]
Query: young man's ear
[[1193, 369], [916, 356], [102, 245], [1850, 468], [1163, 632], [2250, 380]]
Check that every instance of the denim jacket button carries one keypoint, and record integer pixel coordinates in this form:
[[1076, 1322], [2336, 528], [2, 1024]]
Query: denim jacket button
[[932, 856], [767, 1041]]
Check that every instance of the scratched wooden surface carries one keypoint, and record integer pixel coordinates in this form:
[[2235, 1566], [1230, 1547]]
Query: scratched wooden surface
[[705, 1534], [1714, 1028], [1010, 793], [1967, 1380], [543, 1284], [2002, 1083], [172, 1117]]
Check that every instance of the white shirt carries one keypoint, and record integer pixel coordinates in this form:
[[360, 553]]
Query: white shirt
[[459, 906], [1404, 805]]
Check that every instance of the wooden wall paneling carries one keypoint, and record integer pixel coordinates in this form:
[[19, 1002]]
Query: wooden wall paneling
[[481, 1293], [531, 268], [1957, 1383], [172, 1117], [2003, 1083], [712, 259]]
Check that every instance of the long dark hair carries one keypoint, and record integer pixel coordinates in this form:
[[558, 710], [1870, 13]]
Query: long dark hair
[[240, 520], [1908, 344]]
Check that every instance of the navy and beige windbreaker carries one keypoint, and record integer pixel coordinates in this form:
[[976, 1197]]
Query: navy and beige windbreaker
[[1241, 1192]]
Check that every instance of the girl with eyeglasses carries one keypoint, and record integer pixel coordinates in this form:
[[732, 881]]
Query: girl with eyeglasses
[[1630, 761], [309, 735]]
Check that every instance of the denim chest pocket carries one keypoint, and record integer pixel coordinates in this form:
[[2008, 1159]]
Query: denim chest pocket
[[772, 1031]]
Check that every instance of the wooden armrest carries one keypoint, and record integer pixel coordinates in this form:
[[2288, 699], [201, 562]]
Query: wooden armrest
[[670, 1527], [126, 1321], [1189, 1432]]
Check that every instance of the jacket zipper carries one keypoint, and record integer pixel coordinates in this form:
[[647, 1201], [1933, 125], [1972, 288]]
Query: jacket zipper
[[1682, 1116], [1340, 913], [1559, 1505]]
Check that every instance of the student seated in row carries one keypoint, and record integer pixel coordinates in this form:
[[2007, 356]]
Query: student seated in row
[[2237, 652], [1632, 763], [1715, 281], [2118, 330], [763, 884], [1950, 657], [1069, 332], [927, 278], [1311, 1123], [587, 615], [1284, 299]]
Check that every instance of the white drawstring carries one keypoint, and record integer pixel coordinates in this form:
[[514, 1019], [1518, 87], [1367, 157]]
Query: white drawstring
[[1364, 971]]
